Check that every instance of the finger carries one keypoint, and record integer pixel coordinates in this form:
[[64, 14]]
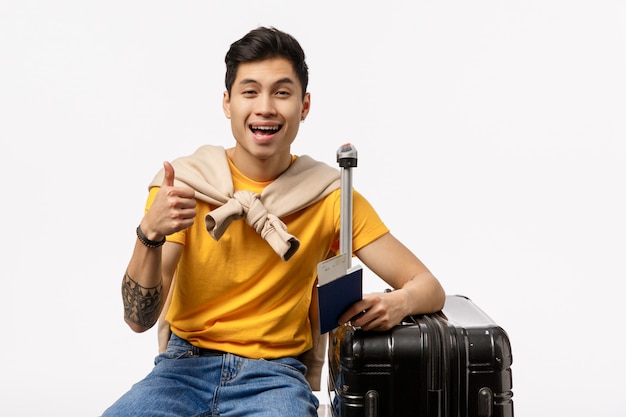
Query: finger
[[356, 309], [168, 178], [370, 321]]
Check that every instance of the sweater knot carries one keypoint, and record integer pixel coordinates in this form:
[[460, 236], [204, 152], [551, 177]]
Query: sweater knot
[[248, 205]]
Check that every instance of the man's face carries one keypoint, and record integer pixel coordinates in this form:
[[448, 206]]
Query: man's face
[[265, 107]]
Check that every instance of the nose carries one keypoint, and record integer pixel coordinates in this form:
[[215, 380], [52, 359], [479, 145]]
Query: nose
[[265, 105]]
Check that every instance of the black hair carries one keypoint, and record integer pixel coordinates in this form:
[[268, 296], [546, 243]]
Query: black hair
[[265, 43]]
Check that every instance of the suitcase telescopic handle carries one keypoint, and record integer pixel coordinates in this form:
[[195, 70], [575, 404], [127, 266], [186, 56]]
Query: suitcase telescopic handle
[[347, 158]]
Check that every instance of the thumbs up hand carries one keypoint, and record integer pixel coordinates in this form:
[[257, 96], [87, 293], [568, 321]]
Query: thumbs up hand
[[173, 209]]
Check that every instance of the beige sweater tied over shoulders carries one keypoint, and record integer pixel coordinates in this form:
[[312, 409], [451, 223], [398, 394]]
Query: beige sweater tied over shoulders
[[305, 182]]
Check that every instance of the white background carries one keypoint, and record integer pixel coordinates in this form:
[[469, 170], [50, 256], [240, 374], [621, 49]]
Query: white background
[[491, 138]]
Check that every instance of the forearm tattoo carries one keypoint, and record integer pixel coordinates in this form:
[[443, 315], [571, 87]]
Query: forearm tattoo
[[141, 305]]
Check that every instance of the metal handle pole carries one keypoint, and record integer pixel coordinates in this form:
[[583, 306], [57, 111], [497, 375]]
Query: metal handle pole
[[347, 159]]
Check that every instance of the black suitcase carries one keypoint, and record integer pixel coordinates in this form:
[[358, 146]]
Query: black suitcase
[[456, 363]]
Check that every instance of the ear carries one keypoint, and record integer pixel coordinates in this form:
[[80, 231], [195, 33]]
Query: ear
[[306, 106], [226, 104]]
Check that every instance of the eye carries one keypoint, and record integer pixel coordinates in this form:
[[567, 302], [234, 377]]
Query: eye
[[283, 93], [248, 92]]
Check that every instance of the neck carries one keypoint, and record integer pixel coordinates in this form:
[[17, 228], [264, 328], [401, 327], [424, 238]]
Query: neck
[[258, 169]]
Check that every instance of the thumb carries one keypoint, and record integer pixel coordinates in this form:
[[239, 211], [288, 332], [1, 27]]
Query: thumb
[[168, 178]]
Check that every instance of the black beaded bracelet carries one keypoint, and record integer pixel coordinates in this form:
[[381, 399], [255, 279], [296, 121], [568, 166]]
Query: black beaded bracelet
[[147, 242]]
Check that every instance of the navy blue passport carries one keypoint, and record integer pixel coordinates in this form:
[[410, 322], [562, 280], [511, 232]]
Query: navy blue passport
[[336, 296]]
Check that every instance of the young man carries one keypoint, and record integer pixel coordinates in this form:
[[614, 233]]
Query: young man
[[245, 229]]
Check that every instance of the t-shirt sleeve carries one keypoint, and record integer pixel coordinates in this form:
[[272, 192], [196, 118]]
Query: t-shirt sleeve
[[367, 226]]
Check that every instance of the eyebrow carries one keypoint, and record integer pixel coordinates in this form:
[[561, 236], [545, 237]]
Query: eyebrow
[[285, 80]]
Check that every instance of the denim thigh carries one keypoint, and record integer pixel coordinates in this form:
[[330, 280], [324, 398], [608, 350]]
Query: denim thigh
[[185, 382], [263, 388]]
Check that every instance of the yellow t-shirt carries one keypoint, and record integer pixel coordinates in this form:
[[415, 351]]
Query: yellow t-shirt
[[237, 295]]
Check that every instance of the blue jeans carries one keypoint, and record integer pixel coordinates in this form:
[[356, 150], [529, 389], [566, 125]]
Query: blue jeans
[[187, 383]]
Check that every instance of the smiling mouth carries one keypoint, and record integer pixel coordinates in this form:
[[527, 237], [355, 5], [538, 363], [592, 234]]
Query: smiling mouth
[[265, 130]]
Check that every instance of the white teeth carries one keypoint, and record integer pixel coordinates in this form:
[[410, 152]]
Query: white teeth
[[268, 128]]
